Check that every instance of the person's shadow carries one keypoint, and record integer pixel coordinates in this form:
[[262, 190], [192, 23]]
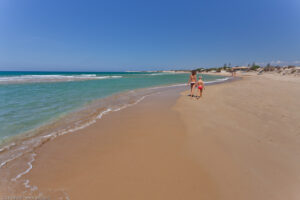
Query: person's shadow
[[192, 95]]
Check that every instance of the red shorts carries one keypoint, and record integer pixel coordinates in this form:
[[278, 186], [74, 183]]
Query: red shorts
[[200, 87]]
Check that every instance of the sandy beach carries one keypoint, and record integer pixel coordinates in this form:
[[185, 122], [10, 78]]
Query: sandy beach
[[97, 102], [246, 135], [240, 141]]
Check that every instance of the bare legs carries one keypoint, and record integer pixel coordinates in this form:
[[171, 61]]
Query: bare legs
[[192, 89], [199, 93]]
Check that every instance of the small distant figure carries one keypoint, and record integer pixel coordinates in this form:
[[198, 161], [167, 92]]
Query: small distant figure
[[192, 81], [233, 72], [200, 85]]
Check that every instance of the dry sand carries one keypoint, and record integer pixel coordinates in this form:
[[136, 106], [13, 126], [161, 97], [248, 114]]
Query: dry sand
[[240, 141], [246, 135]]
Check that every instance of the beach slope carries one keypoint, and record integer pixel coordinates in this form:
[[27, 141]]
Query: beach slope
[[240, 141], [246, 135]]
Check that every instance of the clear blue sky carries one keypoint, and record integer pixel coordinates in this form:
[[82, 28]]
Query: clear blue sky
[[124, 35]]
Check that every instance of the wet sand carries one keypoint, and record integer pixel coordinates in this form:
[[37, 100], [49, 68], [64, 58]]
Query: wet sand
[[136, 153], [240, 141]]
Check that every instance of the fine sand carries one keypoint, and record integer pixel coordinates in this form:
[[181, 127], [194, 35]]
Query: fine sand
[[240, 141], [136, 153], [246, 136]]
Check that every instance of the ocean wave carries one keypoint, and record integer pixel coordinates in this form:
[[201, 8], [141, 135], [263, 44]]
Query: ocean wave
[[51, 78], [220, 80], [161, 73]]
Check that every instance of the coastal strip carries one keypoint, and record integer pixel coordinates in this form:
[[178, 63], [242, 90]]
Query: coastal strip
[[238, 141]]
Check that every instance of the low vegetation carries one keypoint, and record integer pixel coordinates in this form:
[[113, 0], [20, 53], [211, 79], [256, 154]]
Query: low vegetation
[[290, 69]]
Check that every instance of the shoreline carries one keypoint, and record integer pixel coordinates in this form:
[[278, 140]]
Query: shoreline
[[39, 137], [169, 146], [103, 122], [11, 139]]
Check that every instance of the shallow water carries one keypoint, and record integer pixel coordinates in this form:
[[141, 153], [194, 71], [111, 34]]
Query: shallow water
[[31, 99], [38, 107]]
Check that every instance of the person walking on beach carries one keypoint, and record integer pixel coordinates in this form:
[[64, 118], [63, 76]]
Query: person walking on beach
[[192, 81], [200, 85]]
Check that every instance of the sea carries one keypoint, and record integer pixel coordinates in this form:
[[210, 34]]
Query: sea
[[36, 107]]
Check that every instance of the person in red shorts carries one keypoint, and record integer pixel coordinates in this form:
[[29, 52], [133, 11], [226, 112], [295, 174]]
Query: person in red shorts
[[200, 86]]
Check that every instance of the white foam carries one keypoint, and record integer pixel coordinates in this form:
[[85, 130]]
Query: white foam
[[128, 105], [27, 170], [103, 113], [159, 87], [7, 147], [10, 159], [51, 78], [158, 74], [26, 182], [218, 80], [76, 128], [27, 185]]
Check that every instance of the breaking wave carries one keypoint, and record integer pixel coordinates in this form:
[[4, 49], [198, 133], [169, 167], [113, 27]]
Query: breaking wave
[[51, 78]]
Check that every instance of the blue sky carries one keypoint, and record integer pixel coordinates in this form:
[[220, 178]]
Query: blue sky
[[124, 35]]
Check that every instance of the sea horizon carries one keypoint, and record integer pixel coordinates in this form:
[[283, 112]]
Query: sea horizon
[[95, 71]]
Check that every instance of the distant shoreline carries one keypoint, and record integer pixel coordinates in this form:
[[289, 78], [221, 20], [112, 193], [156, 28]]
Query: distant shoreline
[[163, 71]]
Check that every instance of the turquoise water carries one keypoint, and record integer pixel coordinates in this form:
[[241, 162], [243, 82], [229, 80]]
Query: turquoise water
[[31, 99]]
